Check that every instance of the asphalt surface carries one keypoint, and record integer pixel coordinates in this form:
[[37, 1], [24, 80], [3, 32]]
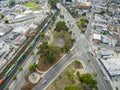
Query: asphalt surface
[[28, 60], [80, 51], [18, 54]]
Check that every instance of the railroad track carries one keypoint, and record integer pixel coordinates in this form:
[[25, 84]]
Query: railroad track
[[27, 43]]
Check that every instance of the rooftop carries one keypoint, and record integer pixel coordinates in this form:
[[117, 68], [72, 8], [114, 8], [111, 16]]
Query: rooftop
[[112, 66], [97, 36]]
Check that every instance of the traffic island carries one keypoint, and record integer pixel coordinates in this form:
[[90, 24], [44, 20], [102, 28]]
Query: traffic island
[[34, 78], [31, 80]]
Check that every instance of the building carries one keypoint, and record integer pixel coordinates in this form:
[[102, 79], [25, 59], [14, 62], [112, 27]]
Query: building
[[111, 65], [96, 38], [4, 30]]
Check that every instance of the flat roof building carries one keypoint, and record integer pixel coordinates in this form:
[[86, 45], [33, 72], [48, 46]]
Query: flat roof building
[[112, 66]]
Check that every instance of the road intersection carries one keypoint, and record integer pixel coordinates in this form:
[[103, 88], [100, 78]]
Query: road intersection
[[80, 51]]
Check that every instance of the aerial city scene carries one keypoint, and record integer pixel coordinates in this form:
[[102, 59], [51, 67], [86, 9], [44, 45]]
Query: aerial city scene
[[59, 44]]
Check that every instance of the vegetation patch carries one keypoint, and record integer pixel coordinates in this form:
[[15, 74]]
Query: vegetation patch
[[72, 11], [33, 6], [67, 80], [30, 4], [28, 85], [82, 24], [50, 53]]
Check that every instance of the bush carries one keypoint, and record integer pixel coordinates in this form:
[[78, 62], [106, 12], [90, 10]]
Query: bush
[[61, 26], [84, 14], [6, 21], [32, 67], [14, 77]]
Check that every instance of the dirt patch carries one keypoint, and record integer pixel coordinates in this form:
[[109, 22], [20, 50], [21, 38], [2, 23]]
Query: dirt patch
[[66, 78], [44, 65], [28, 85], [59, 42]]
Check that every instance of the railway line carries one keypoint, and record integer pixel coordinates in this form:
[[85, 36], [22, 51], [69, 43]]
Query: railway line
[[21, 55]]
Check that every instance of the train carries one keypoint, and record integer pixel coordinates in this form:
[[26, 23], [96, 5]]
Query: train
[[26, 51], [20, 59]]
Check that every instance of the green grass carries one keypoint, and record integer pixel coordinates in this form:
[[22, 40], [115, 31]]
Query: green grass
[[33, 6], [36, 8], [30, 4]]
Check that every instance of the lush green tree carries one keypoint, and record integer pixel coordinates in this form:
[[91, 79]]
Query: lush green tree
[[77, 64], [53, 3], [88, 79], [72, 40], [50, 52], [42, 48], [82, 24], [83, 31], [71, 88], [1, 16], [84, 14], [14, 77], [82, 19], [86, 20], [32, 52], [61, 26], [11, 3], [21, 69], [42, 35], [102, 12], [66, 48], [68, 8], [6, 21], [32, 67]]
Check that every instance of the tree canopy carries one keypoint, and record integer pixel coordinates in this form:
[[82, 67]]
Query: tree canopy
[[61, 26], [53, 3], [102, 12], [84, 14], [51, 52], [11, 3], [32, 67], [88, 79]]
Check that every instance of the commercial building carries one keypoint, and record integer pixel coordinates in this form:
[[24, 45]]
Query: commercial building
[[112, 66]]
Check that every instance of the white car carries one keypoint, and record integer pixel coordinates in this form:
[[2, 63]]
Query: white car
[[44, 82]]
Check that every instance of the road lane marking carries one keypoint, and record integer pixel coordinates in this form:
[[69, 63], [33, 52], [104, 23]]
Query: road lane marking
[[94, 68]]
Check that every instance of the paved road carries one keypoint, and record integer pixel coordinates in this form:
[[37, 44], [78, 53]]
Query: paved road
[[56, 70], [29, 60], [80, 49], [83, 45], [88, 30], [20, 81]]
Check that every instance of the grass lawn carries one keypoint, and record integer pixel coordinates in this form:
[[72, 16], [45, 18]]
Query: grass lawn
[[33, 6], [30, 4]]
